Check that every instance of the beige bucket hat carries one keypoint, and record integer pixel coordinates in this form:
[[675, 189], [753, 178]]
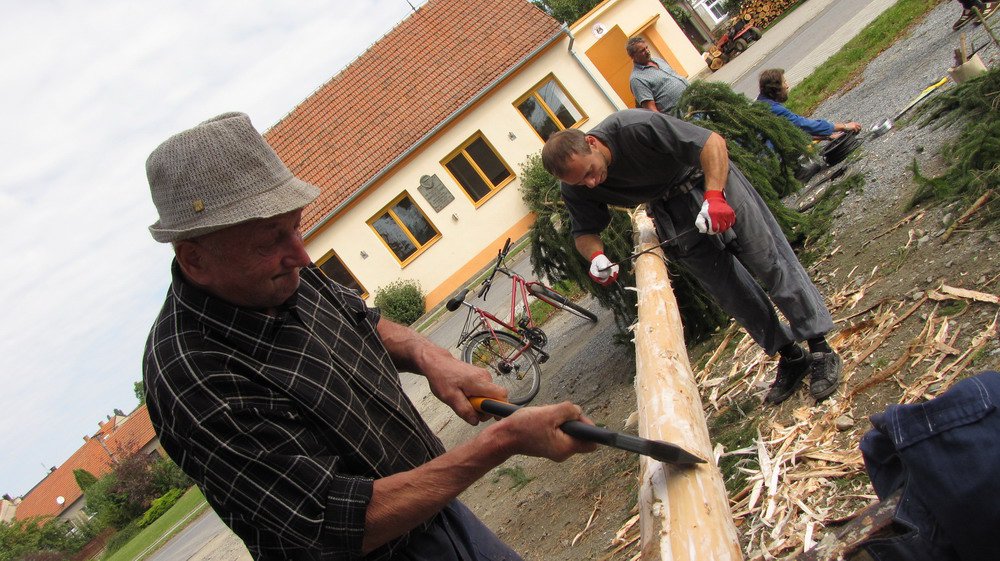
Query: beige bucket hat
[[217, 174]]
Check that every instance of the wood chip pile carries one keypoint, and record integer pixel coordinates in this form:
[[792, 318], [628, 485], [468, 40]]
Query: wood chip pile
[[804, 469]]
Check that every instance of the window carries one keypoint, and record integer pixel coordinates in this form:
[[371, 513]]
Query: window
[[548, 109], [403, 228], [334, 267], [716, 9], [478, 169]]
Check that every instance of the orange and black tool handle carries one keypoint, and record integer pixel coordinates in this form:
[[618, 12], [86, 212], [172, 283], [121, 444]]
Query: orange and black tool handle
[[663, 451]]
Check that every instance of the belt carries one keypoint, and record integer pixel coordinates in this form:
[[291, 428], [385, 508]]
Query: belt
[[694, 179]]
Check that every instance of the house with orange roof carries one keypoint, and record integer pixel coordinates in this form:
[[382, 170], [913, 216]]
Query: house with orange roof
[[58, 495], [417, 144]]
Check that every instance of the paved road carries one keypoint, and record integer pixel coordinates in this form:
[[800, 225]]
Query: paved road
[[800, 42], [192, 539]]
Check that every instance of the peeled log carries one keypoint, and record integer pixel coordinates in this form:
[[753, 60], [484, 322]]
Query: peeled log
[[684, 512]]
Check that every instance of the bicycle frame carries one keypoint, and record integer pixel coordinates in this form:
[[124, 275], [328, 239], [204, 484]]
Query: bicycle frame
[[485, 320]]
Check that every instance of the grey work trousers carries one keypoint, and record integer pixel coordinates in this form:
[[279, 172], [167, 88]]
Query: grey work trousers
[[763, 253]]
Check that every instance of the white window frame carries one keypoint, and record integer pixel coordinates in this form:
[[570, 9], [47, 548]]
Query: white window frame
[[708, 5]]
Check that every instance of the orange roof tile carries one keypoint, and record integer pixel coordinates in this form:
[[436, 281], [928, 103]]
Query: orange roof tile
[[127, 436], [132, 434], [404, 85]]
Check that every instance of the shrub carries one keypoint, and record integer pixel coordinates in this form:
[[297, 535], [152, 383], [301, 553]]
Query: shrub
[[84, 478], [167, 475], [124, 494], [118, 540], [401, 301], [160, 506]]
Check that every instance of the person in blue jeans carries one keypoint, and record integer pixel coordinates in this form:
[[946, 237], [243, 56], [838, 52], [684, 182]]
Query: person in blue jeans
[[943, 456], [774, 92]]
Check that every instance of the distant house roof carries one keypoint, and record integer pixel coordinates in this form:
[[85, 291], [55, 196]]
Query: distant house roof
[[404, 85], [117, 437]]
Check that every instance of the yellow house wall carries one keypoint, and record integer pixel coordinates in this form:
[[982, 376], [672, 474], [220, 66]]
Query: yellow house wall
[[471, 236], [606, 51]]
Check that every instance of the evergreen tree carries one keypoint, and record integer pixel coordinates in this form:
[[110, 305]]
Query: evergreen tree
[[566, 11], [84, 479]]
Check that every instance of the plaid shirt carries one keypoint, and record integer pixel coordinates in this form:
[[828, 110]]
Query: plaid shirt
[[283, 421]]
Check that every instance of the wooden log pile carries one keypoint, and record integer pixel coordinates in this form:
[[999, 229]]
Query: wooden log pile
[[760, 13]]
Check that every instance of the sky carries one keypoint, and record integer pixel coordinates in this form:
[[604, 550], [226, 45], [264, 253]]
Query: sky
[[89, 90]]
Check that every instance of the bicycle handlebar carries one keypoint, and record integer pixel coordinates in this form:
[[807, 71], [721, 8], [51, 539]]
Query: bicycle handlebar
[[496, 267]]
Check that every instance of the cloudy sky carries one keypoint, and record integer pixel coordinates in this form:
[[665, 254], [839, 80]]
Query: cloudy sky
[[90, 88]]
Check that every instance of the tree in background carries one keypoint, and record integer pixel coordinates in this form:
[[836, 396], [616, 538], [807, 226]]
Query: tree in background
[[765, 147], [140, 392], [167, 476], [84, 479], [124, 493], [566, 11], [32, 538]]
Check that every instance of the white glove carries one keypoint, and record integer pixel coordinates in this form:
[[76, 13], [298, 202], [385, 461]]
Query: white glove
[[602, 270]]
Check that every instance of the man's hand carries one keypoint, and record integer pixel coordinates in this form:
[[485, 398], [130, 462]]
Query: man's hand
[[454, 382], [534, 431], [716, 215], [602, 270]]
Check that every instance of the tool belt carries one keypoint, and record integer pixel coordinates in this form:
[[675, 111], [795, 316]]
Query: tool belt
[[696, 178]]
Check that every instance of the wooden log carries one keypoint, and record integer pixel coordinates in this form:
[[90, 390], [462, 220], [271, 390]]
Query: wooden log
[[684, 512]]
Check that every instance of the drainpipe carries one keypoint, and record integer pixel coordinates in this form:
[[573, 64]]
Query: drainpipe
[[576, 57]]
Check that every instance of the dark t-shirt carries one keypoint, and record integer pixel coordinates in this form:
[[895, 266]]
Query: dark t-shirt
[[650, 153]]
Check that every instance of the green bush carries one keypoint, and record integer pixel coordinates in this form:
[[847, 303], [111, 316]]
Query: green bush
[[167, 475], [38, 538], [118, 540], [401, 301], [160, 506]]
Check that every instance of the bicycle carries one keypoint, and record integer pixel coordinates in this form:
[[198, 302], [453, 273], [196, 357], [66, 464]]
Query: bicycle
[[508, 349]]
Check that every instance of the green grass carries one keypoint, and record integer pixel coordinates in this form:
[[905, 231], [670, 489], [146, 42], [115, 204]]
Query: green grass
[[166, 526], [736, 428], [518, 479], [541, 312], [953, 308], [851, 60]]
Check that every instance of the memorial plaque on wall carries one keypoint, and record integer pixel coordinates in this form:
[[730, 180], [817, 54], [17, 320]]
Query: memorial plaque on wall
[[435, 192]]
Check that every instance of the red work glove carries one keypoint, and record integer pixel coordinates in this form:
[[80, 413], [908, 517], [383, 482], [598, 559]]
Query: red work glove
[[602, 270], [716, 215]]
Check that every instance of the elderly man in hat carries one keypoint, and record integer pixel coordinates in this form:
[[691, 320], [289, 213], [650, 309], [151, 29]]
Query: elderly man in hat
[[277, 389]]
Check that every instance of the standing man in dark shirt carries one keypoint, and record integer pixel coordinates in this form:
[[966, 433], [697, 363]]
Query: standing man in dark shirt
[[277, 389], [653, 83], [700, 202]]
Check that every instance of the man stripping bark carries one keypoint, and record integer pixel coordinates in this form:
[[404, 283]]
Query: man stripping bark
[[713, 222]]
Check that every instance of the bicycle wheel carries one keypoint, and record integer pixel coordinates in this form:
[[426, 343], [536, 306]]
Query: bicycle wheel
[[521, 376], [559, 301]]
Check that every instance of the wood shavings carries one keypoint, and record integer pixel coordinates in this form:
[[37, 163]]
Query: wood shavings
[[808, 474], [590, 521], [969, 294]]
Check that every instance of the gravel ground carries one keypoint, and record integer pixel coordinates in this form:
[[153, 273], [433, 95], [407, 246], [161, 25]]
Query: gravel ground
[[889, 83]]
